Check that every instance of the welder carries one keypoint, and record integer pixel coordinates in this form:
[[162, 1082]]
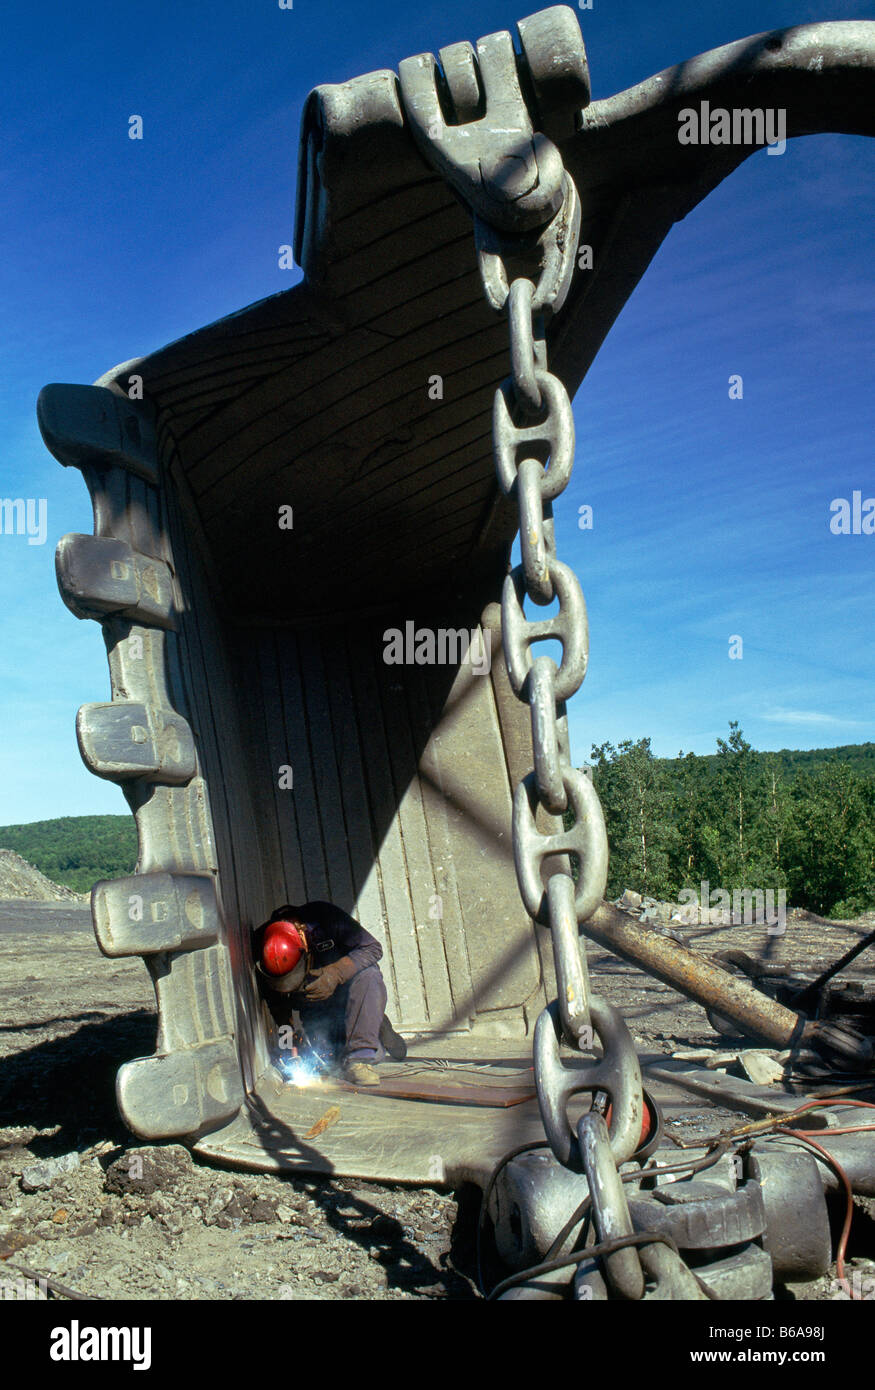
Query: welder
[[318, 961]]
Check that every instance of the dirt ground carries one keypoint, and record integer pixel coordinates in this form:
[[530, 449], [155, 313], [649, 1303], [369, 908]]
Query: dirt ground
[[135, 1221]]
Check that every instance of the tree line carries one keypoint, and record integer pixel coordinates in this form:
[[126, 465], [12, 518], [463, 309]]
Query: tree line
[[739, 819], [76, 850]]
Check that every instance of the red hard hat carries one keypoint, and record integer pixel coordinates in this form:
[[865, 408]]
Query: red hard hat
[[282, 947]]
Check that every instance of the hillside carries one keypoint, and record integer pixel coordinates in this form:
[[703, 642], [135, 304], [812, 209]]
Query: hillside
[[686, 796], [859, 757], [76, 850]]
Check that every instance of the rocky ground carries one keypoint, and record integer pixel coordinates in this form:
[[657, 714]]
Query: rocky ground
[[130, 1221], [115, 1219]]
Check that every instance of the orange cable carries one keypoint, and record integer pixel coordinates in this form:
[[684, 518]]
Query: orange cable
[[805, 1136]]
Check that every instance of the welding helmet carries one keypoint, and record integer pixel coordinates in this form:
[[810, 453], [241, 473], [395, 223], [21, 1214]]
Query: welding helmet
[[284, 956]]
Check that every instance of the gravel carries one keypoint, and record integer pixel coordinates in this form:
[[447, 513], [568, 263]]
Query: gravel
[[84, 1202]]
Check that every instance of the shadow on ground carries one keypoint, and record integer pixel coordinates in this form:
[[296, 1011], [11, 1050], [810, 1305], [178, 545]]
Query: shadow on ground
[[68, 1085], [69, 1082]]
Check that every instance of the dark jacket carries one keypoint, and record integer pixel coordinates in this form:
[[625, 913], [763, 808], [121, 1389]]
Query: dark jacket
[[332, 934]]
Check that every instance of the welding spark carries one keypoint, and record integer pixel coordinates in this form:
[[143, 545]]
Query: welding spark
[[297, 1071]]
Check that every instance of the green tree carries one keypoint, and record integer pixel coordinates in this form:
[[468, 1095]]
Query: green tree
[[774, 826], [635, 798], [735, 794], [831, 849], [692, 852], [76, 850]]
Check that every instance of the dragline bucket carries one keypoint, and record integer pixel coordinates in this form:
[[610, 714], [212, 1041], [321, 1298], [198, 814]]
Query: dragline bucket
[[273, 495]]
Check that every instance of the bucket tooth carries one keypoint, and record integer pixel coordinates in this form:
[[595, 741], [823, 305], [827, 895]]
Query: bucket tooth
[[91, 425], [98, 575], [123, 741], [154, 912], [184, 1092]]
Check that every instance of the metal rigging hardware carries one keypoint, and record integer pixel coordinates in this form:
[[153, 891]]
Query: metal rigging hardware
[[495, 165]]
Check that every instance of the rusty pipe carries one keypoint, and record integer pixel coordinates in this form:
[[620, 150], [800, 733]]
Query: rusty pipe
[[707, 984]]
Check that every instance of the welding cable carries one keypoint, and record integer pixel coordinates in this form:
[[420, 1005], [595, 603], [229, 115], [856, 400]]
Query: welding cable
[[574, 1219], [692, 1166], [837, 1168], [762, 1128], [720, 1145], [487, 1193], [779, 1127], [823, 1103], [849, 1129], [806, 1137], [606, 1247]]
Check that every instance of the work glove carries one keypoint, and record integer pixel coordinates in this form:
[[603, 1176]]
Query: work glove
[[323, 981]]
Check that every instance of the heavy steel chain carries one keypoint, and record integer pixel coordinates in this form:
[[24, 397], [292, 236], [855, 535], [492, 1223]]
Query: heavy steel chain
[[533, 435]]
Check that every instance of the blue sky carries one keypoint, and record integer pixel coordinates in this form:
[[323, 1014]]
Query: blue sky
[[711, 516]]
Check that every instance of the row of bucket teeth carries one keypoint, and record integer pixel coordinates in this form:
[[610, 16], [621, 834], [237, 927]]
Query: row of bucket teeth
[[169, 911]]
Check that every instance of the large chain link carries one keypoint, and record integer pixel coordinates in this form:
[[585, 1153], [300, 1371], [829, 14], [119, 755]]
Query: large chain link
[[526, 208], [533, 435]]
